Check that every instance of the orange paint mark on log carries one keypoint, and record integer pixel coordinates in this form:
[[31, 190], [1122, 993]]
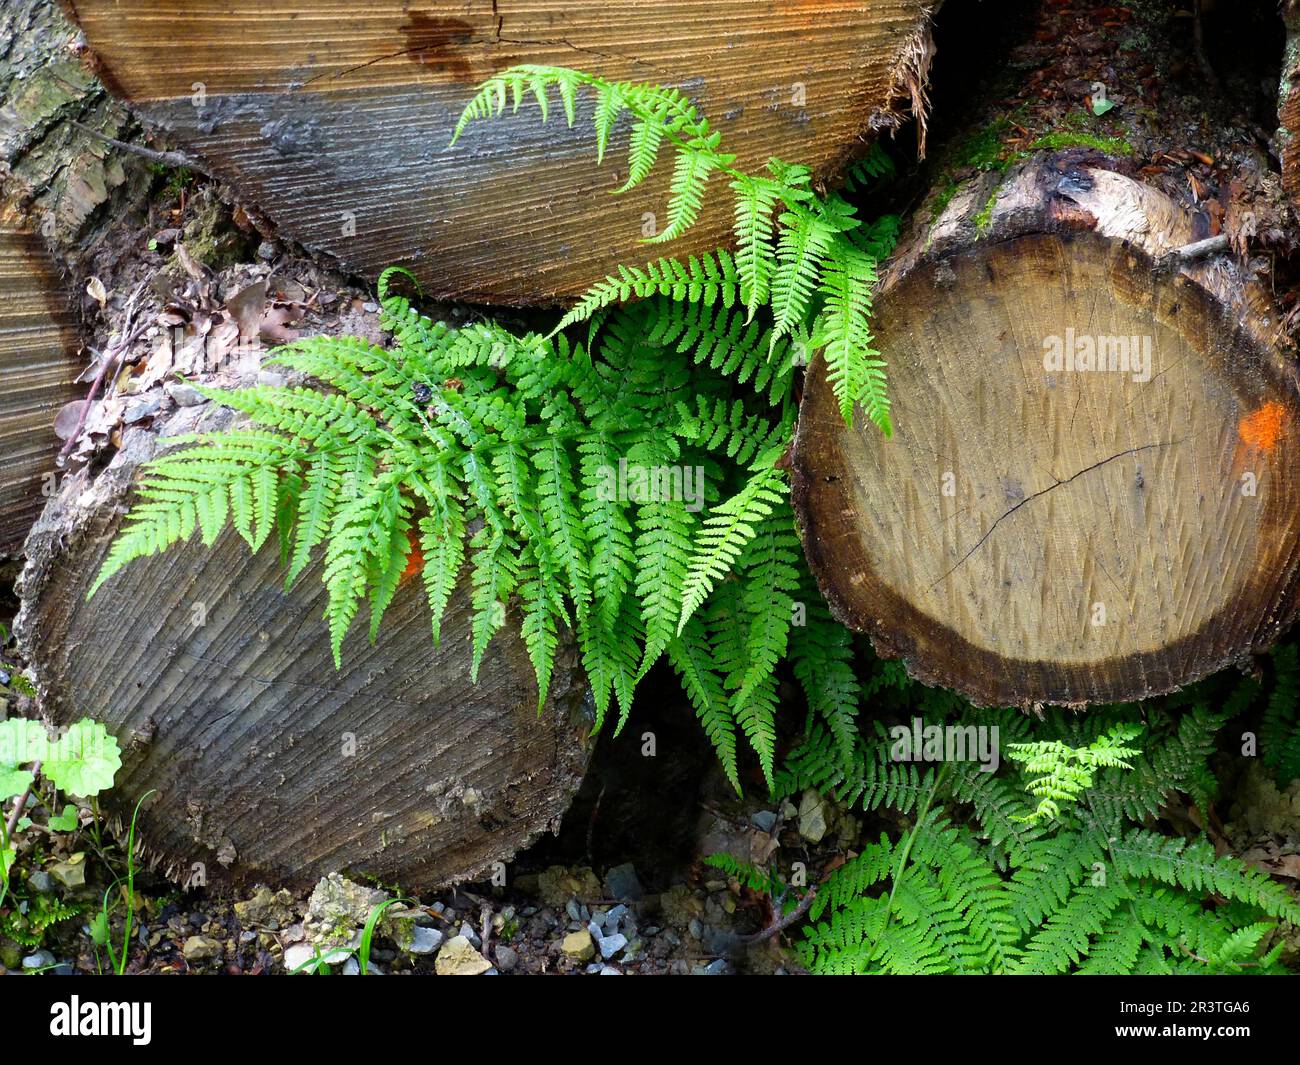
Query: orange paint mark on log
[[414, 561], [1263, 428]]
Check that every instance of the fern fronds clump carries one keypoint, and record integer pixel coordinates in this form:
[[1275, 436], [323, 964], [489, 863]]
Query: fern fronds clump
[[627, 493], [987, 882], [806, 258], [1062, 773], [1279, 731]]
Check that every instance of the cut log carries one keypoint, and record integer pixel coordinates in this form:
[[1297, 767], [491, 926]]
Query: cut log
[[1093, 493], [261, 762], [334, 117], [38, 365]]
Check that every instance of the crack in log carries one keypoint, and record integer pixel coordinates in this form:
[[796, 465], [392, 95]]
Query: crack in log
[[1029, 499]]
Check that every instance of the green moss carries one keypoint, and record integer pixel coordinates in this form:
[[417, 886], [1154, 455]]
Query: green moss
[[943, 199], [985, 217], [984, 152], [1066, 138]]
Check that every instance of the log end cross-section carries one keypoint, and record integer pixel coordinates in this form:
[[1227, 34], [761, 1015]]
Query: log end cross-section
[[1093, 493]]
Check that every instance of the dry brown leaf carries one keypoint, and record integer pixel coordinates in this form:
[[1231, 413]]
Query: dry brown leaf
[[246, 308], [65, 422], [95, 289], [275, 325]]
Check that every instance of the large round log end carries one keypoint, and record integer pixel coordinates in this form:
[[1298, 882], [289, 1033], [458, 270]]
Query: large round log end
[[264, 761], [1093, 493]]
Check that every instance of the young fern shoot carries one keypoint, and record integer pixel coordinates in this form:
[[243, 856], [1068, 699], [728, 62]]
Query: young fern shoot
[[805, 257]]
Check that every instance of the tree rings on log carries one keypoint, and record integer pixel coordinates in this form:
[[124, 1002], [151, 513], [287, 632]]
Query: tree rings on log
[[1093, 493], [261, 762]]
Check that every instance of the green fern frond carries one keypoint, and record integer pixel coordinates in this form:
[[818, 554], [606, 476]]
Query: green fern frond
[[709, 278], [727, 531], [843, 333], [822, 252]]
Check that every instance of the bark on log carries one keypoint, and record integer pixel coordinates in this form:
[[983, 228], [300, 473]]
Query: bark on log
[[264, 762], [334, 117], [1058, 520], [1288, 111]]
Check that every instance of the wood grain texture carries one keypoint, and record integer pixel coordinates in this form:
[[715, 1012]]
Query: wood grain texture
[[1040, 534], [336, 113], [241, 725], [38, 364]]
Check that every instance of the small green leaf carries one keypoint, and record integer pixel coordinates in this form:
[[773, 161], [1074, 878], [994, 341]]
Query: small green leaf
[[21, 742], [14, 782], [1101, 106], [66, 821], [99, 929], [83, 760]]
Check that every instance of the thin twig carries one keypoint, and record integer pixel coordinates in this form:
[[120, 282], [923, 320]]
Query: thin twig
[[591, 822], [12, 824], [781, 924], [174, 159], [1198, 249], [485, 918]]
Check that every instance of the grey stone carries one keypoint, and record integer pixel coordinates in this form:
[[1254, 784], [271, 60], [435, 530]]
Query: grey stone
[[339, 908], [507, 959], [426, 940], [145, 407], [611, 945], [459, 958], [41, 882], [812, 816], [352, 967], [579, 945], [185, 395], [41, 959], [622, 882], [609, 970], [201, 948], [467, 930], [765, 820]]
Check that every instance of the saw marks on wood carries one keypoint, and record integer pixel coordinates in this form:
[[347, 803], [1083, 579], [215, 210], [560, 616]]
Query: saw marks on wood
[[38, 363], [265, 759], [1097, 533], [334, 117]]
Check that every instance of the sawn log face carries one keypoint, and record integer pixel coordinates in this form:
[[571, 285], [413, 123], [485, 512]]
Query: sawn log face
[[334, 117], [263, 760]]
